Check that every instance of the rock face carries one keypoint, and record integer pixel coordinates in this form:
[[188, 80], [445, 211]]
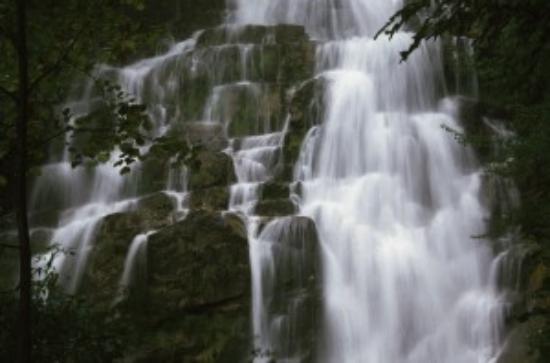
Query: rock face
[[528, 322], [113, 240], [197, 291], [199, 262], [305, 111], [214, 169], [242, 95]]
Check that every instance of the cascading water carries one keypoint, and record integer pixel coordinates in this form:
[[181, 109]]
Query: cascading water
[[388, 201], [84, 196], [396, 200]]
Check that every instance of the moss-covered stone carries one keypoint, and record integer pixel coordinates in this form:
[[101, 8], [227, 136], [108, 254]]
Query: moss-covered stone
[[274, 190], [305, 111], [215, 199], [212, 169], [528, 322], [206, 135], [252, 34], [112, 242], [528, 342], [295, 293], [275, 207], [197, 263]]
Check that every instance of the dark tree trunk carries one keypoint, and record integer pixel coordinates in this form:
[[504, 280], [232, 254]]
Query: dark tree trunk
[[24, 342]]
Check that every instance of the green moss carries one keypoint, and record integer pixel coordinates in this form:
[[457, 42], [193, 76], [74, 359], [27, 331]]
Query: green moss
[[276, 207]]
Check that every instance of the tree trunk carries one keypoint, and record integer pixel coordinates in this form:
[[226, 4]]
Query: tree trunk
[[24, 342]]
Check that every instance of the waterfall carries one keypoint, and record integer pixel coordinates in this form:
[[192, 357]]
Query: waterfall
[[362, 245], [397, 202], [83, 197]]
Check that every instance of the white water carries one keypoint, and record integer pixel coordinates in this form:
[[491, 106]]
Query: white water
[[84, 196], [396, 200]]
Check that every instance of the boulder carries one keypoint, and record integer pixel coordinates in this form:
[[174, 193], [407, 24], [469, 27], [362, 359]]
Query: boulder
[[274, 190], [206, 135], [294, 293], [252, 34], [215, 199], [212, 169], [275, 207], [305, 111], [197, 264], [112, 243], [198, 292]]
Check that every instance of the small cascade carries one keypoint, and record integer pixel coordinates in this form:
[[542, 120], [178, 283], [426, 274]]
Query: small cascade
[[135, 265], [84, 196]]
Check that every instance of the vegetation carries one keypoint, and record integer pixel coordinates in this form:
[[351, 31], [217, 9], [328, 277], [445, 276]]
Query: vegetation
[[511, 40], [65, 329], [46, 45]]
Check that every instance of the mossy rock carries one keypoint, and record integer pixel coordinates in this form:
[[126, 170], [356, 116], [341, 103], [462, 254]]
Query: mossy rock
[[112, 243], [275, 207], [274, 190], [295, 283], [250, 109], [215, 199], [305, 111], [199, 262], [153, 175], [212, 169], [252, 34], [206, 135], [528, 342]]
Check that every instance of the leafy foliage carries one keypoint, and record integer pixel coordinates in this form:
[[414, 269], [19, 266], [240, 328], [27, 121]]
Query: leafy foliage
[[66, 328]]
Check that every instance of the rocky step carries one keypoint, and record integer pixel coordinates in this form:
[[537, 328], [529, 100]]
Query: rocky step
[[246, 108], [212, 199], [252, 34], [211, 169], [255, 141], [208, 135], [274, 190], [275, 208]]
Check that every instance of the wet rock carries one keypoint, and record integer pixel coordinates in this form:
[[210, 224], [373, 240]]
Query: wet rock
[[305, 111], [252, 34], [294, 293], [247, 108], [274, 190], [275, 207], [213, 169], [210, 199], [199, 263], [528, 321], [156, 210], [112, 243], [528, 342], [483, 124], [207, 135], [236, 224]]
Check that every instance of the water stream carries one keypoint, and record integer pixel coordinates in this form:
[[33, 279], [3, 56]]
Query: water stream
[[387, 202], [396, 200]]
